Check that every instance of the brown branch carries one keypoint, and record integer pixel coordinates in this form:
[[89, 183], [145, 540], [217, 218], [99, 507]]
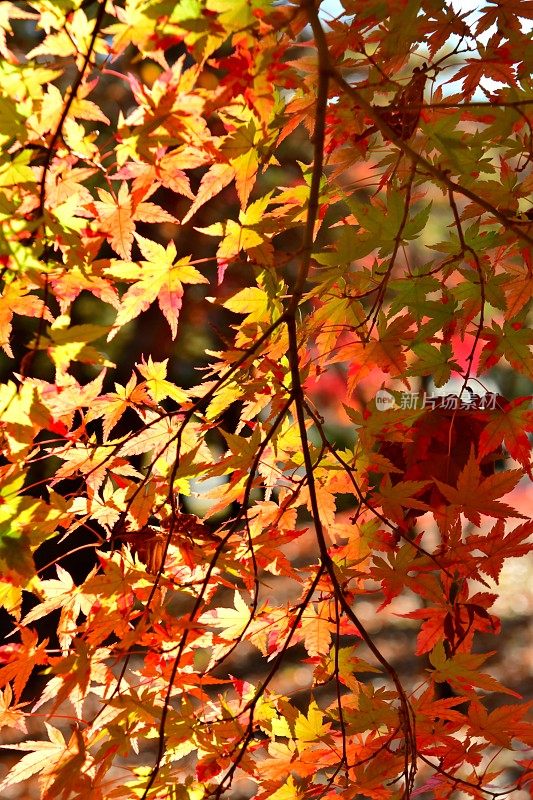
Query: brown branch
[[465, 248], [318, 156], [30, 356], [363, 499], [325, 71], [376, 306], [198, 602], [68, 104], [250, 706], [327, 561]]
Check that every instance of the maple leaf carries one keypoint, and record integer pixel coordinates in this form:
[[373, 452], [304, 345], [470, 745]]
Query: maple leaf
[[433, 361], [135, 25], [386, 352], [66, 396], [310, 727], [461, 672], [160, 277], [160, 436], [58, 763], [66, 343], [497, 546], [17, 300], [215, 179], [492, 64], [61, 593], [476, 495], [431, 709], [82, 108], [11, 715], [11, 594], [73, 675], [47, 117], [232, 621], [157, 385], [394, 574], [62, 43], [25, 522], [241, 150], [501, 726], [288, 791], [248, 234], [29, 656], [9, 11], [163, 171], [117, 217], [69, 284], [513, 341], [317, 627], [394, 498], [519, 286], [86, 459], [141, 503], [432, 630], [508, 424], [112, 406]]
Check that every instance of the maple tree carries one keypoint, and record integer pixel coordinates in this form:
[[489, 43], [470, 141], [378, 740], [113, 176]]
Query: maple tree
[[346, 201]]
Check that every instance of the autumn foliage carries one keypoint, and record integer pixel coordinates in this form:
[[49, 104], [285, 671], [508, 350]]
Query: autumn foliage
[[330, 219]]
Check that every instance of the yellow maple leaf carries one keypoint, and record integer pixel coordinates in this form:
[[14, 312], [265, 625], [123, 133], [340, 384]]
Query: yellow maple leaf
[[310, 728], [157, 385], [58, 762], [160, 277], [288, 791], [232, 621]]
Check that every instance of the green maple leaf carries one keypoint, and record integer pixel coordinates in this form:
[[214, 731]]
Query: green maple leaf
[[433, 361], [512, 341]]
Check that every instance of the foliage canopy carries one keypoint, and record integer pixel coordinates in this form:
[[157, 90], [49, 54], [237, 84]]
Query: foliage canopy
[[340, 207]]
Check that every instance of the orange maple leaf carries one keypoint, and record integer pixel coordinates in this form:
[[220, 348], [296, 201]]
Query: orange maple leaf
[[476, 495], [28, 656], [509, 424], [117, 217]]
